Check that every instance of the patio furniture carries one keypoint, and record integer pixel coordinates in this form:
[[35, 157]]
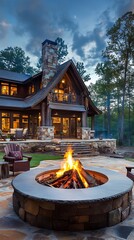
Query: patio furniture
[[18, 162], [130, 174], [18, 134], [4, 170], [2, 135], [25, 133]]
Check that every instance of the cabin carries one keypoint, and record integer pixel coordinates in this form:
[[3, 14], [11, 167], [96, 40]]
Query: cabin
[[54, 103]]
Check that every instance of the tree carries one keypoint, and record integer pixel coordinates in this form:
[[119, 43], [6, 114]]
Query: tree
[[14, 59], [120, 52], [61, 52], [81, 69], [105, 88], [62, 49]]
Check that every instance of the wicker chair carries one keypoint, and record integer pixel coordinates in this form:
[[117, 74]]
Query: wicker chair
[[14, 156]]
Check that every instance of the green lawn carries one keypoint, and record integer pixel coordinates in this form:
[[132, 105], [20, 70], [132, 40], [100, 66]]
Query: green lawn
[[37, 157]]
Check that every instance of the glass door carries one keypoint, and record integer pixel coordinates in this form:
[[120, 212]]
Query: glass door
[[72, 128], [65, 128]]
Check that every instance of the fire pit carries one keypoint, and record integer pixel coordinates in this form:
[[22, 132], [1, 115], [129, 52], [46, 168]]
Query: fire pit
[[73, 208]]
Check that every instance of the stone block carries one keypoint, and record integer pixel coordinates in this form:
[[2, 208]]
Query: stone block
[[76, 227], [16, 204], [22, 214], [79, 219], [31, 219], [31, 206], [114, 216], [117, 202], [125, 201], [99, 218], [125, 213], [130, 196], [45, 212], [44, 222], [100, 207], [60, 225], [47, 205]]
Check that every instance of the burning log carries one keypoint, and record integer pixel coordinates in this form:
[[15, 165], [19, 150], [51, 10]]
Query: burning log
[[72, 175]]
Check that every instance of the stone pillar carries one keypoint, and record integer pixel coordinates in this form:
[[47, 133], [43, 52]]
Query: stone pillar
[[49, 61], [45, 132], [84, 119], [43, 114]]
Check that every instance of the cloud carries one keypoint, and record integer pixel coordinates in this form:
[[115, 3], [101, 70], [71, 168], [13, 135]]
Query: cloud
[[90, 56], [121, 7], [38, 21], [4, 27], [95, 40]]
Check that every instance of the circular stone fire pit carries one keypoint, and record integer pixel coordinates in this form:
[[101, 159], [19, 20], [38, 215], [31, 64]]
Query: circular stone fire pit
[[72, 209]]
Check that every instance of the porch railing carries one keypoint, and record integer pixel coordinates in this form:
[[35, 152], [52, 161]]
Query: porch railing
[[65, 98]]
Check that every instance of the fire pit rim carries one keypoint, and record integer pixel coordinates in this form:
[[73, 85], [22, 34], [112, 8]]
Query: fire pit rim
[[39, 192]]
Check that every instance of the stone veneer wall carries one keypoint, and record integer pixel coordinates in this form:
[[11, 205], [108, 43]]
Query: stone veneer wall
[[72, 217], [49, 65], [45, 132], [87, 133], [101, 146]]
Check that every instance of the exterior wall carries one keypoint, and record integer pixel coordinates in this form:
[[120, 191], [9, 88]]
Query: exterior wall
[[45, 132], [49, 58]]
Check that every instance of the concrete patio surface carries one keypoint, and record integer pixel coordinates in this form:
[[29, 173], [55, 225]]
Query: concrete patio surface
[[12, 227]]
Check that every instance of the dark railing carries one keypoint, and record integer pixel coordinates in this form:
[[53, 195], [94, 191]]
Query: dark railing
[[65, 98]]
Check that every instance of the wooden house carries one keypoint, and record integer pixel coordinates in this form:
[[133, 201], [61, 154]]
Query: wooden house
[[54, 103]]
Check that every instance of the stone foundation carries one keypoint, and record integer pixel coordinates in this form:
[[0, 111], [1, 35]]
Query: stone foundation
[[45, 132]]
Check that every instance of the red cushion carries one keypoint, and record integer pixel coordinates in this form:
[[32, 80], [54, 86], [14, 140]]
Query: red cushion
[[16, 154]]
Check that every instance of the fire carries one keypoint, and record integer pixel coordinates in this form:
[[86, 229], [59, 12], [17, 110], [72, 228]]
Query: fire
[[70, 164]]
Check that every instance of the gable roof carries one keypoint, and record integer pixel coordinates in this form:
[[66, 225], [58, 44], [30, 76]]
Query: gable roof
[[34, 100]]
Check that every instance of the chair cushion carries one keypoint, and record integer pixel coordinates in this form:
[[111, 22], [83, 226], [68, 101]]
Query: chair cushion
[[16, 154]]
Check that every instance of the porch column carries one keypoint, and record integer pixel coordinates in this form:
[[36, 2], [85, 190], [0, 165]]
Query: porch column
[[43, 114], [84, 119], [48, 117], [92, 122]]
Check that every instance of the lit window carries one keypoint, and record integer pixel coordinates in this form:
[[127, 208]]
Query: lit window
[[31, 89], [5, 88], [13, 90], [5, 122]]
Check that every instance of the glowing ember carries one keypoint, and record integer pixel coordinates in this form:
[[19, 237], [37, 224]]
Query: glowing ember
[[71, 175]]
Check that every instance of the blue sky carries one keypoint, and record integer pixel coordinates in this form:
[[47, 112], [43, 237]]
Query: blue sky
[[81, 23]]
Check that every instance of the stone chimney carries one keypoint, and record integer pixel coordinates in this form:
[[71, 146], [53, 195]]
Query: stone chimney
[[49, 61]]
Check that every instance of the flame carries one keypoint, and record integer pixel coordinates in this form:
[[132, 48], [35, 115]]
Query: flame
[[70, 164]]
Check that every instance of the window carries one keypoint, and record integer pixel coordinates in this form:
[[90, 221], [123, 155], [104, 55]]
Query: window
[[8, 89], [25, 121], [13, 90], [5, 122], [16, 120], [31, 89], [5, 88]]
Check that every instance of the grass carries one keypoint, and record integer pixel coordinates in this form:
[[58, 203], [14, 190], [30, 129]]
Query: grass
[[129, 159], [37, 157]]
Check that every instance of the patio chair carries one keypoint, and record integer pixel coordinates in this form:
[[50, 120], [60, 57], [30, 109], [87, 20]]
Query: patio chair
[[2, 135], [18, 162], [18, 134], [130, 174], [25, 133]]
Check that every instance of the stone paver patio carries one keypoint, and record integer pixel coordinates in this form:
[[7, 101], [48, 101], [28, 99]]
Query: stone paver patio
[[11, 227]]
